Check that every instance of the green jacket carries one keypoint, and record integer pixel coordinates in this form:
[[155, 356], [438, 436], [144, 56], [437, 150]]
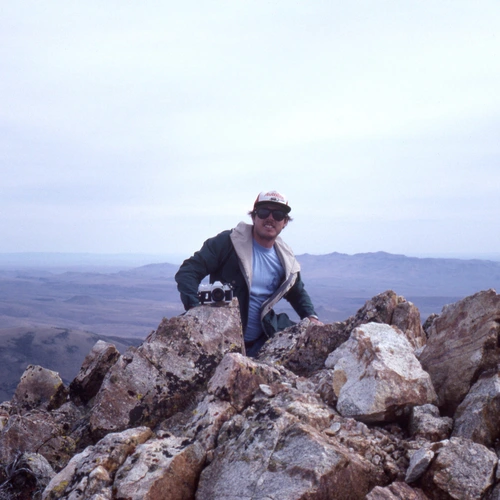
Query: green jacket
[[227, 257]]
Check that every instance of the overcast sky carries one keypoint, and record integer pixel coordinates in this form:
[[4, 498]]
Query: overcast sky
[[150, 126]]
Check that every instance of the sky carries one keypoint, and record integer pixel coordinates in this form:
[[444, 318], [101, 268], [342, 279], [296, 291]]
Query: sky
[[148, 127]]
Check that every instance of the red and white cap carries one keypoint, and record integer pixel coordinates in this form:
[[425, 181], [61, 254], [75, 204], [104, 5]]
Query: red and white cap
[[272, 197]]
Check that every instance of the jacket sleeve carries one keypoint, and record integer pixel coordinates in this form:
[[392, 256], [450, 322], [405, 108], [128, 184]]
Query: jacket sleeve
[[300, 300], [204, 262]]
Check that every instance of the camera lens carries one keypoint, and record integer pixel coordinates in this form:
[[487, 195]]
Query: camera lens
[[218, 294]]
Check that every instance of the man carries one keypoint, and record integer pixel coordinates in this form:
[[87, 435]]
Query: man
[[259, 266]]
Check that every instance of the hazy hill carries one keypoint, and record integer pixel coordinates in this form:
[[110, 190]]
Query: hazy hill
[[124, 304], [406, 275], [338, 280]]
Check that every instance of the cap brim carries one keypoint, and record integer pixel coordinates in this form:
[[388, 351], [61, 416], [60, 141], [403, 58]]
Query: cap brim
[[286, 208]]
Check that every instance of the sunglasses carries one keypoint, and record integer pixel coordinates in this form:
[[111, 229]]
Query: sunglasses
[[263, 213]]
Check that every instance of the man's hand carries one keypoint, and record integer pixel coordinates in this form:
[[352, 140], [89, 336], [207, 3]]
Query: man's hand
[[315, 320]]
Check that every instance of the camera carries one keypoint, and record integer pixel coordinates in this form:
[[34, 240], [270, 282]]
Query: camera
[[215, 292]]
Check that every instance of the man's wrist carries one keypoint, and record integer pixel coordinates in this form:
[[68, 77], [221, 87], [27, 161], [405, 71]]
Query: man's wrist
[[315, 320]]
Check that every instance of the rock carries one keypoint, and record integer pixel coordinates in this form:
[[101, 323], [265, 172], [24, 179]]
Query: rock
[[494, 494], [406, 317], [383, 448], [477, 416], [396, 491], [91, 375], [303, 348], [47, 433], [91, 472], [39, 388], [465, 335], [425, 422], [159, 466], [324, 383], [160, 377], [237, 378], [270, 452], [27, 475], [419, 463], [376, 376], [390, 309], [202, 423], [461, 469], [428, 323]]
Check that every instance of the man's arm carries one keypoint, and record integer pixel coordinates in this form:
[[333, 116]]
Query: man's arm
[[301, 301], [204, 262]]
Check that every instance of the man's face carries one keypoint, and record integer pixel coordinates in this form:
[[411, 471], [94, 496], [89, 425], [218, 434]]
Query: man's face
[[266, 230]]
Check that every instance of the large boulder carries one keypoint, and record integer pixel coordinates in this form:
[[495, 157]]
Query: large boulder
[[162, 468], [39, 388], [96, 364], [391, 309], [477, 416], [275, 449], [238, 378], [52, 434], [464, 337], [160, 377], [92, 471], [376, 375], [426, 422], [461, 469], [201, 422], [303, 348]]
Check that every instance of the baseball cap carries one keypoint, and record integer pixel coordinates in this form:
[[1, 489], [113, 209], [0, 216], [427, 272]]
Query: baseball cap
[[272, 197]]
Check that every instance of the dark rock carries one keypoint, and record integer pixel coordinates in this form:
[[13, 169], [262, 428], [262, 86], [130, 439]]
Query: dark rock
[[238, 378], [91, 375], [39, 388], [92, 471], [44, 432], [460, 469], [425, 422], [396, 491], [477, 417], [160, 377], [391, 309], [25, 477], [304, 348], [464, 337]]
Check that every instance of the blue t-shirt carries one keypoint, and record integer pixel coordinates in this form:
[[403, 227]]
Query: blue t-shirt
[[267, 275]]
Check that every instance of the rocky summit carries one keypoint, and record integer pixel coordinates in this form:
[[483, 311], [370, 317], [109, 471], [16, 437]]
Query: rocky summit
[[377, 407]]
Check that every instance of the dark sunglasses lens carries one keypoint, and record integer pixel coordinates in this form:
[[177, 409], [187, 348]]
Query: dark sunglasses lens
[[263, 213], [278, 215]]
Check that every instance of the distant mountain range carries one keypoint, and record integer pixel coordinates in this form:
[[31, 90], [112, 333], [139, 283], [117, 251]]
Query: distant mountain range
[[128, 302], [336, 280], [82, 261], [406, 275]]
